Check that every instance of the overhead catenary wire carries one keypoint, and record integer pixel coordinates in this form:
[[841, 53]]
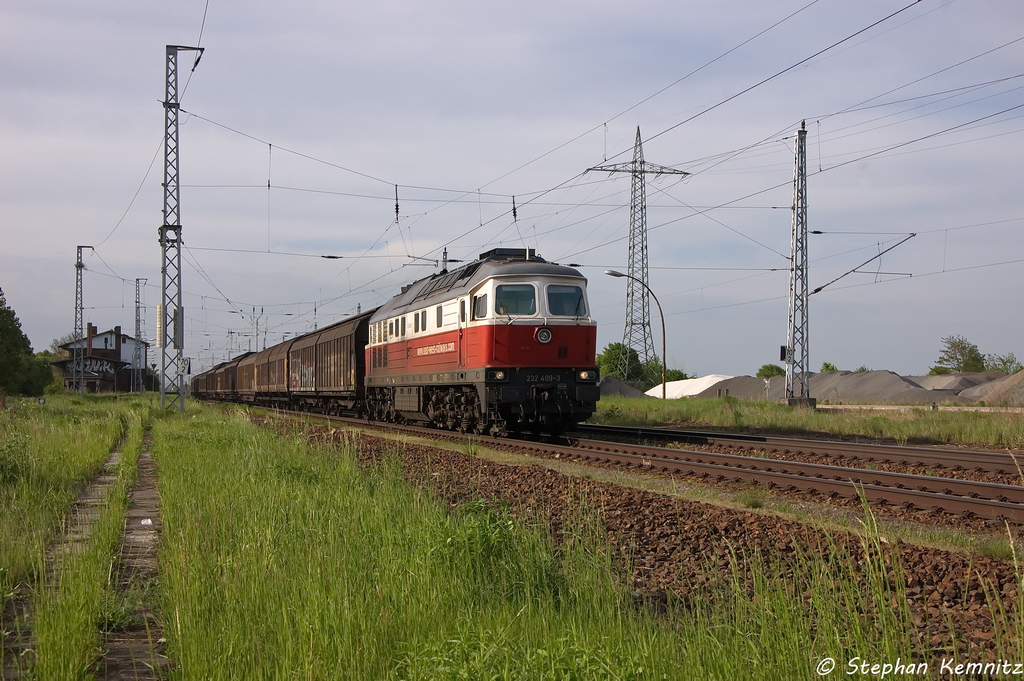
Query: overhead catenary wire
[[514, 221]]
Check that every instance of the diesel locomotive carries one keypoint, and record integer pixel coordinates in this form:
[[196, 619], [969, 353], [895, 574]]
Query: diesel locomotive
[[503, 344]]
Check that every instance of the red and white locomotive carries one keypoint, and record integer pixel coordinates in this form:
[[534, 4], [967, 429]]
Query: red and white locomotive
[[503, 344]]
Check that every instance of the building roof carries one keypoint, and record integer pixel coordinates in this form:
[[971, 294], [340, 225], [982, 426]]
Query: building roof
[[68, 346]]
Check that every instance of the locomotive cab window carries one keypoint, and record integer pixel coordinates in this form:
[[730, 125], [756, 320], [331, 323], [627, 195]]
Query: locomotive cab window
[[515, 299], [480, 306], [440, 316], [566, 300]]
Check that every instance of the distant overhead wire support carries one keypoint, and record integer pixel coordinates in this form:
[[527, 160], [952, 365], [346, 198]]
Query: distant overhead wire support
[[287, 150], [875, 257]]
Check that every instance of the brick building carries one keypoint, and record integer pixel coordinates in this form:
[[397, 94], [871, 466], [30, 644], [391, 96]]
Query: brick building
[[106, 361]]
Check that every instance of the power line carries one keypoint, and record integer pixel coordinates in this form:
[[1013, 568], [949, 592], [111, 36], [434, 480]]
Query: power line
[[783, 71]]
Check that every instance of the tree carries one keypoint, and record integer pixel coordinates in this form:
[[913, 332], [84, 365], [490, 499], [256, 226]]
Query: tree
[[828, 366], [769, 370], [609, 362], [645, 375], [1008, 363], [56, 350], [20, 372], [676, 375], [652, 371], [959, 355]]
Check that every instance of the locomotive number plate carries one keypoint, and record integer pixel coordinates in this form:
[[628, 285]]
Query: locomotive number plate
[[543, 378]]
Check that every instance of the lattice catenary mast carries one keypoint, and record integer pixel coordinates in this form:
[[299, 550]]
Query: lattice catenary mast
[[78, 349], [797, 349], [170, 315], [637, 333], [138, 362]]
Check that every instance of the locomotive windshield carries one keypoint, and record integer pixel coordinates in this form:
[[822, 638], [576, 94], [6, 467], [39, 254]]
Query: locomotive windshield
[[515, 299], [566, 300]]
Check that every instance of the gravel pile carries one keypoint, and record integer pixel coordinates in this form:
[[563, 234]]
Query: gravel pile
[[610, 385], [1008, 392], [956, 382]]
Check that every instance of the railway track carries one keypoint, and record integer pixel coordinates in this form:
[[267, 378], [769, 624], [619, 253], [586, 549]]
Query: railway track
[[993, 462], [967, 498]]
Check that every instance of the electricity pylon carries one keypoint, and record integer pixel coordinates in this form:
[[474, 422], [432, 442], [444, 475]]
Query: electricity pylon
[[637, 333]]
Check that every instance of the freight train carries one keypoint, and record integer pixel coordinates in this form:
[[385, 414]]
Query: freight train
[[504, 344]]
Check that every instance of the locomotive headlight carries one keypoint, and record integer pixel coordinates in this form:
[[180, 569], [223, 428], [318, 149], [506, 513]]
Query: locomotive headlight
[[587, 375], [496, 375], [544, 335]]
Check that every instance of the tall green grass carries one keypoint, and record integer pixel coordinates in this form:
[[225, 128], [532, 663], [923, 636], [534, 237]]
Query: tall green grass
[[910, 426], [283, 560], [69, 609], [47, 455]]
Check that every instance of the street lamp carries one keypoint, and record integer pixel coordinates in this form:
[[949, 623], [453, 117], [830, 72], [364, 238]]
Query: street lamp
[[664, 357]]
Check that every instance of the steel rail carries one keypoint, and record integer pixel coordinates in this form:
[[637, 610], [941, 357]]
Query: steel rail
[[873, 492], [953, 459], [928, 493]]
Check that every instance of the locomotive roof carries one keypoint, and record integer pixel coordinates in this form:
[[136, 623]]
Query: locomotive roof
[[498, 262]]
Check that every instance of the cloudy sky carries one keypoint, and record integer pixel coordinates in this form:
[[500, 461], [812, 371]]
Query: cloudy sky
[[914, 112]]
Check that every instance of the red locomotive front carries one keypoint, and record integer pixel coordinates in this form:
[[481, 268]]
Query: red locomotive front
[[505, 343]]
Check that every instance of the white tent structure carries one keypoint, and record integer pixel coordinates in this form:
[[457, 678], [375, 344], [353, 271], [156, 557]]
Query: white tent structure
[[688, 387]]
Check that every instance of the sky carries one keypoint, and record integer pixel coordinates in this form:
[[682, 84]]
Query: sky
[[914, 114]]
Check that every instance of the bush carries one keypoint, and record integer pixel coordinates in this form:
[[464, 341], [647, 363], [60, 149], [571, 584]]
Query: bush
[[769, 370]]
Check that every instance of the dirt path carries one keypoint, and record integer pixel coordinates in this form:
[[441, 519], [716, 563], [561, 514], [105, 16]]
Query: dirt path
[[136, 650]]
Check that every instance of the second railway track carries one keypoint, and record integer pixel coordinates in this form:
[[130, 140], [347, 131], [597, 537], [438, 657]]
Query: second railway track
[[951, 459], [967, 498]]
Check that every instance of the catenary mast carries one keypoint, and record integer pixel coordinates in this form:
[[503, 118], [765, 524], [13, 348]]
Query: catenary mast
[[170, 314], [796, 351]]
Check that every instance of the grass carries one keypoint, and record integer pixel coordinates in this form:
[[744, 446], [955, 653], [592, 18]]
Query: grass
[[285, 560], [281, 559], [911, 426], [73, 607], [49, 452]]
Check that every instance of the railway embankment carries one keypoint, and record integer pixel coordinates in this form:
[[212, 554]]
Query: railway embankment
[[675, 553]]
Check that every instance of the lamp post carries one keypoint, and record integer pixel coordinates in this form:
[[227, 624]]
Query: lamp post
[[664, 357]]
